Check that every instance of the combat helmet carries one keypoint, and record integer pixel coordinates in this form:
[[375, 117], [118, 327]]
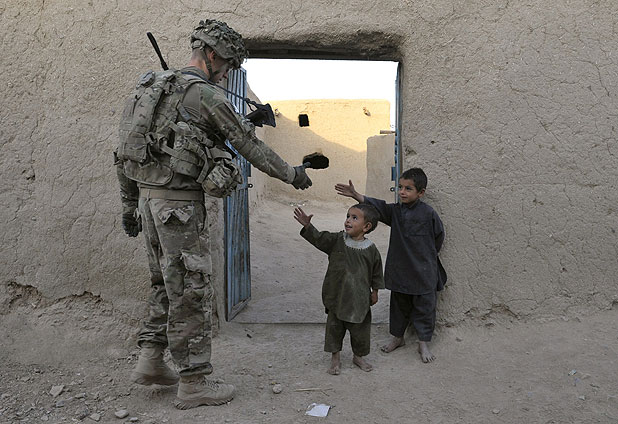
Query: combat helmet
[[226, 42]]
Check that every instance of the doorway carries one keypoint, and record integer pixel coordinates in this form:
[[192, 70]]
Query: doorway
[[286, 271]]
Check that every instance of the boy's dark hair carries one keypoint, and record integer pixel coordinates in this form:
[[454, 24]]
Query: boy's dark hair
[[370, 213], [418, 176]]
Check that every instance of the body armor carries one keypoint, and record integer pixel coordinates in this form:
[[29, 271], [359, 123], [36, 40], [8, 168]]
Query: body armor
[[158, 137]]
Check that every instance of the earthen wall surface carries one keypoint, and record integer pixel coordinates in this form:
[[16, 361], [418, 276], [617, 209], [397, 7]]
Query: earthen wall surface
[[337, 129], [509, 106]]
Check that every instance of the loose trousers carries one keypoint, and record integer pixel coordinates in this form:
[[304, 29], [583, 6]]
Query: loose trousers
[[181, 296], [360, 334], [418, 309]]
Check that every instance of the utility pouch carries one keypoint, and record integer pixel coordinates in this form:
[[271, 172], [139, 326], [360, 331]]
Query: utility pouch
[[225, 175], [152, 173], [190, 155]]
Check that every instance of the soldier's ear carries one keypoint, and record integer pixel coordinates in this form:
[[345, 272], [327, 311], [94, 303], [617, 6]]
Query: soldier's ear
[[211, 55]]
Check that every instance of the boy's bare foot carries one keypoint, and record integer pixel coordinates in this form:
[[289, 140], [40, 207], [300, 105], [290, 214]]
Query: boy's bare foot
[[394, 344], [361, 363], [426, 354], [335, 364]]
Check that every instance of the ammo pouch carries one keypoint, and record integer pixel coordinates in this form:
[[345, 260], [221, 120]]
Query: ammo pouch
[[195, 155]]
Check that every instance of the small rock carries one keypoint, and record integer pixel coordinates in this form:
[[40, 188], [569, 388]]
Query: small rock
[[82, 413], [270, 365], [122, 413], [133, 419], [572, 372], [24, 379], [495, 411], [459, 339], [60, 403], [95, 417], [277, 388], [581, 397], [56, 390], [80, 395], [263, 412]]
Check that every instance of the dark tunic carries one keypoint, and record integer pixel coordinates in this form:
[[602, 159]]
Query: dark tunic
[[417, 233], [354, 269]]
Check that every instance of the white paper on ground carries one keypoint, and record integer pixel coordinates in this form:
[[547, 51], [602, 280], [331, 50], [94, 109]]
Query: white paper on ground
[[317, 410]]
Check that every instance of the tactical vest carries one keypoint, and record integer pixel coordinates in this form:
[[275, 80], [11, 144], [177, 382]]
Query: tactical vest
[[158, 137]]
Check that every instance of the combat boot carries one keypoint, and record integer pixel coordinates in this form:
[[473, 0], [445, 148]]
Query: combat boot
[[151, 369], [197, 390]]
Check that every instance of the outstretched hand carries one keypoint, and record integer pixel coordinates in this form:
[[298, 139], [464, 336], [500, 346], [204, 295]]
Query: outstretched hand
[[302, 217], [348, 190]]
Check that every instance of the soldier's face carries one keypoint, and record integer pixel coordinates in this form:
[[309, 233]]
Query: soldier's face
[[220, 68]]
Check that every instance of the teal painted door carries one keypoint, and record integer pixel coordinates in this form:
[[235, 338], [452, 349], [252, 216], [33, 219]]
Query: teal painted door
[[236, 208]]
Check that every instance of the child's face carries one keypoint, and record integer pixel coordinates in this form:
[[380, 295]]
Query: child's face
[[408, 192], [355, 224]]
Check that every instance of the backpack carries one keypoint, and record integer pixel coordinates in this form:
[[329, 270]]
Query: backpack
[[157, 137]]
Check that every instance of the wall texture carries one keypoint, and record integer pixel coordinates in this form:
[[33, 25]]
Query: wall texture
[[380, 161], [338, 129], [509, 106]]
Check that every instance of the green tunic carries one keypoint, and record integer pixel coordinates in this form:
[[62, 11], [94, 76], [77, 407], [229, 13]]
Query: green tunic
[[354, 269]]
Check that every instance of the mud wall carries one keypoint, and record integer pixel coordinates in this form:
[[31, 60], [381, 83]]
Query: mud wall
[[509, 106], [336, 128], [380, 160]]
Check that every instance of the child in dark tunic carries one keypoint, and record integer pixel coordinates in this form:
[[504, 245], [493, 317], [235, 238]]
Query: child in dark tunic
[[413, 270], [351, 284]]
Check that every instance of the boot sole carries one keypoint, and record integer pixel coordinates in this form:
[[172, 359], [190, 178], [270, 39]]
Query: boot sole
[[188, 404], [149, 380]]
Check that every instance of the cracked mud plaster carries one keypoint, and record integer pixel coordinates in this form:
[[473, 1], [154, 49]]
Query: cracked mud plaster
[[510, 108]]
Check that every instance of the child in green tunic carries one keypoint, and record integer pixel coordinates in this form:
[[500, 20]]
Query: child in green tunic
[[351, 284]]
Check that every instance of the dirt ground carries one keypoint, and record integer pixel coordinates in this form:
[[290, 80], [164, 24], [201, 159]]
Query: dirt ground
[[503, 371]]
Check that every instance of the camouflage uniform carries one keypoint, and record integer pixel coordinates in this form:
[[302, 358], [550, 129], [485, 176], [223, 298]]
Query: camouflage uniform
[[173, 218]]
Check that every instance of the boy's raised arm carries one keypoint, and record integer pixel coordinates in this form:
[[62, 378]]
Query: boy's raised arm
[[348, 190], [302, 217], [323, 240]]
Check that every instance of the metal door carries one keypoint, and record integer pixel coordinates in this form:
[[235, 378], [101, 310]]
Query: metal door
[[236, 209], [396, 170]]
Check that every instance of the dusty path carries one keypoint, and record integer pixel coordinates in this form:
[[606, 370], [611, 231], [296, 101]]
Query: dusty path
[[556, 372], [287, 271]]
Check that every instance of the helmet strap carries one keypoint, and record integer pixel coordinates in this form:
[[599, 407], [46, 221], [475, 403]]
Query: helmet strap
[[211, 74]]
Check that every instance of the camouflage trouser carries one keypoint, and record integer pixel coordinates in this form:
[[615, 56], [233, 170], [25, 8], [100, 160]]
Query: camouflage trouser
[[180, 268]]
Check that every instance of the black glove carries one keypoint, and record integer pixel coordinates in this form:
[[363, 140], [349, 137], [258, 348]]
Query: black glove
[[131, 225], [301, 179]]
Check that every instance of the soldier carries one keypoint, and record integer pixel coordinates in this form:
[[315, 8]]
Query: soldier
[[171, 151]]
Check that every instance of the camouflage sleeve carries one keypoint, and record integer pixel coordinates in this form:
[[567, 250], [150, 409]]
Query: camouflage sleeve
[[241, 134], [129, 191]]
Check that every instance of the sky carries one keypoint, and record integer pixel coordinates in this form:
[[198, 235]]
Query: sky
[[300, 79]]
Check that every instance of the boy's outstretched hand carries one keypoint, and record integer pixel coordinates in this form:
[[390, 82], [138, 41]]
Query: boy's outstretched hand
[[302, 217], [348, 190]]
